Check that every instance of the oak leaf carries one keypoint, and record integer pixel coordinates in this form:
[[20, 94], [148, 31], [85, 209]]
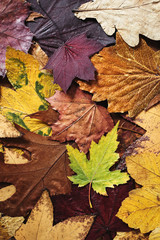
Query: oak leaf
[[128, 78], [130, 18], [13, 31], [142, 208], [150, 121], [8, 226], [48, 168], [72, 60], [104, 209], [95, 172], [30, 88], [40, 224], [80, 119]]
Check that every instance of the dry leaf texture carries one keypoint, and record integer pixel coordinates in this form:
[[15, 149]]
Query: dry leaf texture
[[7, 129], [80, 118], [127, 77], [13, 32], [142, 208], [40, 224], [48, 168], [129, 17], [130, 236]]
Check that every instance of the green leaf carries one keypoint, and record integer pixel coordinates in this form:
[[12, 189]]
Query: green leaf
[[96, 170]]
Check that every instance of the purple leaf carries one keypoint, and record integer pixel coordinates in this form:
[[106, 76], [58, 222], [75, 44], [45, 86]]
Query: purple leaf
[[105, 208], [72, 60], [13, 32], [59, 24]]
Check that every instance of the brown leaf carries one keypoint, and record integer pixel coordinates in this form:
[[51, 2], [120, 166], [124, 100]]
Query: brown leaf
[[134, 235], [127, 77], [80, 119], [34, 15], [48, 116], [48, 168], [40, 224]]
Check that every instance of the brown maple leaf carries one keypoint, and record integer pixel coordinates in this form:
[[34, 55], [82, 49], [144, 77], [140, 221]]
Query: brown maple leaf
[[129, 78], [80, 118], [48, 168]]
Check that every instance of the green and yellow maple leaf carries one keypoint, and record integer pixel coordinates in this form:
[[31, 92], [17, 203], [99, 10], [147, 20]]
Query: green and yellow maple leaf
[[96, 171], [31, 86]]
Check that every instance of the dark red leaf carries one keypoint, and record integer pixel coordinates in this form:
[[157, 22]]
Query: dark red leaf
[[106, 224]]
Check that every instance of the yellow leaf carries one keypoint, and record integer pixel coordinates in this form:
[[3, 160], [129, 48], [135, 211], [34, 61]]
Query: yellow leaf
[[7, 192], [155, 234], [130, 236], [40, 224], [150, 121], [31, 85], [8, 226], [128, 78], [14, 156], [142, 208]]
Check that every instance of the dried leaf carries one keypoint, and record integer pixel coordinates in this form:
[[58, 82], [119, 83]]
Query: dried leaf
[[95, 172], [7, 129], [80, 119], [72, 60], [7, 192], [130, 18], [33, 16], [48, 168], [39, 224], [30, 88], [155, 234], [8, 226], [150, 121], [12, 156], [127, 77], [130, 236], [13, 32], [142, 208]]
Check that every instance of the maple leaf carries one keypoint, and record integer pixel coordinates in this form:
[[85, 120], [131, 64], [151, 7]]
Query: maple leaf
[[13, 32], [40, 221], [80, 119], [59, 24], [72, 60], [130, 18], [150, 141], [104, 209], [143, 205], [30, 88], [95, 172], [48, 168], [8, 226], [128, 78]]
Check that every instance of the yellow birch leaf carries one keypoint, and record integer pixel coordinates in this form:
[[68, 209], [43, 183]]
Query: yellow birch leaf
[[128, 78], [142, 208], [7, 192], [40, 224], [150, 121], [155, 234], [8, 226], [133, 235], [30, 89]]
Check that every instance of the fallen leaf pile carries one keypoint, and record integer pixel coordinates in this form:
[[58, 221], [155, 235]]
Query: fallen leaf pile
[[79, 120]]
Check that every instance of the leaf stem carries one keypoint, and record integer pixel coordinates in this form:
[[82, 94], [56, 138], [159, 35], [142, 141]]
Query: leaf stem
[[131, 130], [89, 195]]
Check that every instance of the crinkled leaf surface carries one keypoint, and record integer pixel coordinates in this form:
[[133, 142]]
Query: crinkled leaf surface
[[13, 32], [96, 170], [106, 224], [130, 18], [40, 224], [127, 77], [59, 24], [48, 168], [8, 226], [30, 88], [80, 118], [142, 208], [149, 120], [72, 60]]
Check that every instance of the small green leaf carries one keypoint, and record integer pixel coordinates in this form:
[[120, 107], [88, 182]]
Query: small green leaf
[[96, 170]]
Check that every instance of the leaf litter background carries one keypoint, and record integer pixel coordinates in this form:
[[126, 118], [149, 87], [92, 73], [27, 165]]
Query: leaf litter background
[[61, 152]]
